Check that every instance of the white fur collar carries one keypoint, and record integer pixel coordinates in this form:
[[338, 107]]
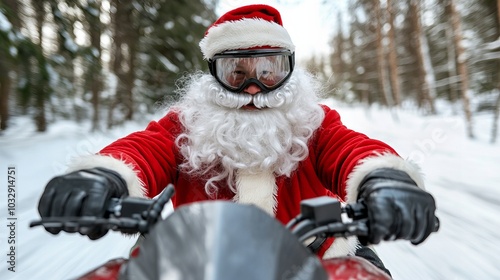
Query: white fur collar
[[257, 189]]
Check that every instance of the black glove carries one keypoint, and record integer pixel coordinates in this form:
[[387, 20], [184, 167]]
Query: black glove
[[81, 193], [397, 207]]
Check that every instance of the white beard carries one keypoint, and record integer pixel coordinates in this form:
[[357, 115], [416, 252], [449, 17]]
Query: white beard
[[222, 140]]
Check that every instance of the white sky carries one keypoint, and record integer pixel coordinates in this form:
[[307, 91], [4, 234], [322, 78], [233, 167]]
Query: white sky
[[307, 22]]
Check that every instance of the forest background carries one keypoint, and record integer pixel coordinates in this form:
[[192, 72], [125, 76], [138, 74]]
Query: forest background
[[111, 61], [420, 74]]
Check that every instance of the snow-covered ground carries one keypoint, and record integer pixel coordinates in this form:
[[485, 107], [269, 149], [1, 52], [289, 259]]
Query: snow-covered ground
[[463, 175]]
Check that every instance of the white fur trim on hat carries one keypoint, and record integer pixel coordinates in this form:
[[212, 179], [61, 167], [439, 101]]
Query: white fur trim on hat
[[243, 34], [257, 189], [386, 160], [134, 184]]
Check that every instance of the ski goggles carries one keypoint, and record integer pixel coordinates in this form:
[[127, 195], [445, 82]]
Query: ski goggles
[[267, 68]]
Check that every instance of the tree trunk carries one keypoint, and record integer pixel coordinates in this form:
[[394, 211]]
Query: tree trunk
[[462, 66], [131, 39], [130, 78], [4, 95], [67, 82], [40, 115], [393, 56], [496, 115], [494, 130], [381, 67], [419, 55], [117, 21], [336, 57], [95, 77], [125, 47], [452, 66], [6, 67], [430, 77]]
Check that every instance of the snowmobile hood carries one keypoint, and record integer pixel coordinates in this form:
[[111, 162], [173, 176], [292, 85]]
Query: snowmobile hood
[[222, 240]]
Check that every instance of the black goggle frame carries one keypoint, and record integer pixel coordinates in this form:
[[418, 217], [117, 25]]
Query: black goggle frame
[[212, 65]]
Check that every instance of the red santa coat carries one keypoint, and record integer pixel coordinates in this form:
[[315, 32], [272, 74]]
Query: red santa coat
[[338, 160]]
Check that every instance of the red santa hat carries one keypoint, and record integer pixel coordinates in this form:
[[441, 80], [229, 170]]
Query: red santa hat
[[246, 27]]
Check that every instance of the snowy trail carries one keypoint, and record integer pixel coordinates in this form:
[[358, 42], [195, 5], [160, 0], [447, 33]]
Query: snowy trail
[[462, 174], [37, 159]]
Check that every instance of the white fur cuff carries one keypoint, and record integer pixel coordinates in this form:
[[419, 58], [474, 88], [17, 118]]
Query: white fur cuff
[[134, 184], [385, 160]]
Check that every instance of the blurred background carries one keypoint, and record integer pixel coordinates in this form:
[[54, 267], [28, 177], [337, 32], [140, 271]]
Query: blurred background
[[423, 75], [111, 61]]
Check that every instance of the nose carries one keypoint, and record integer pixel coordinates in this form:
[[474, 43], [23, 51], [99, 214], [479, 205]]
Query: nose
[[252, 89]]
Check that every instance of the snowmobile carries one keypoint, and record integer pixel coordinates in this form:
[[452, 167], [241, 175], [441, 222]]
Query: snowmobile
[[224, 240]]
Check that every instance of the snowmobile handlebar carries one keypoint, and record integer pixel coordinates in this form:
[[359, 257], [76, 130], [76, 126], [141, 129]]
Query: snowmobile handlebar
[[127, 215], [320, 217]]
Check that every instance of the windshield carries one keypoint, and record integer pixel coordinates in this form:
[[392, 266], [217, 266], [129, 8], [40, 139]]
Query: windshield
[[222, 240]]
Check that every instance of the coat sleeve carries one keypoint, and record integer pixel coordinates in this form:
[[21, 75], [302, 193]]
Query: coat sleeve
[[344, 157], [147, 159]]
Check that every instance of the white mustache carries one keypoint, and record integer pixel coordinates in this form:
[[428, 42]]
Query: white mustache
[[274, 99]]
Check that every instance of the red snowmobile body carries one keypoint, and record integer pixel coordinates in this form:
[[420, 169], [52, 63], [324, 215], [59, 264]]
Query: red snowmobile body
[[223, 240]]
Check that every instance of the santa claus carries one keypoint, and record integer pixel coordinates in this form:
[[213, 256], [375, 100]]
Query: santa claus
[[252, 131]]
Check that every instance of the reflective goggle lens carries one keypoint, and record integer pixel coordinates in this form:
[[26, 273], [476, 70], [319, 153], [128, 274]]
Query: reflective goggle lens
[[268, 70]]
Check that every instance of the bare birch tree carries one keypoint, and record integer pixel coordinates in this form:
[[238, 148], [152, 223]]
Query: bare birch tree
[[496, 115], [393, 56], [381, 65], [461, 65], [494, 131], [336, 58], [451, 65], [418, 34]]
